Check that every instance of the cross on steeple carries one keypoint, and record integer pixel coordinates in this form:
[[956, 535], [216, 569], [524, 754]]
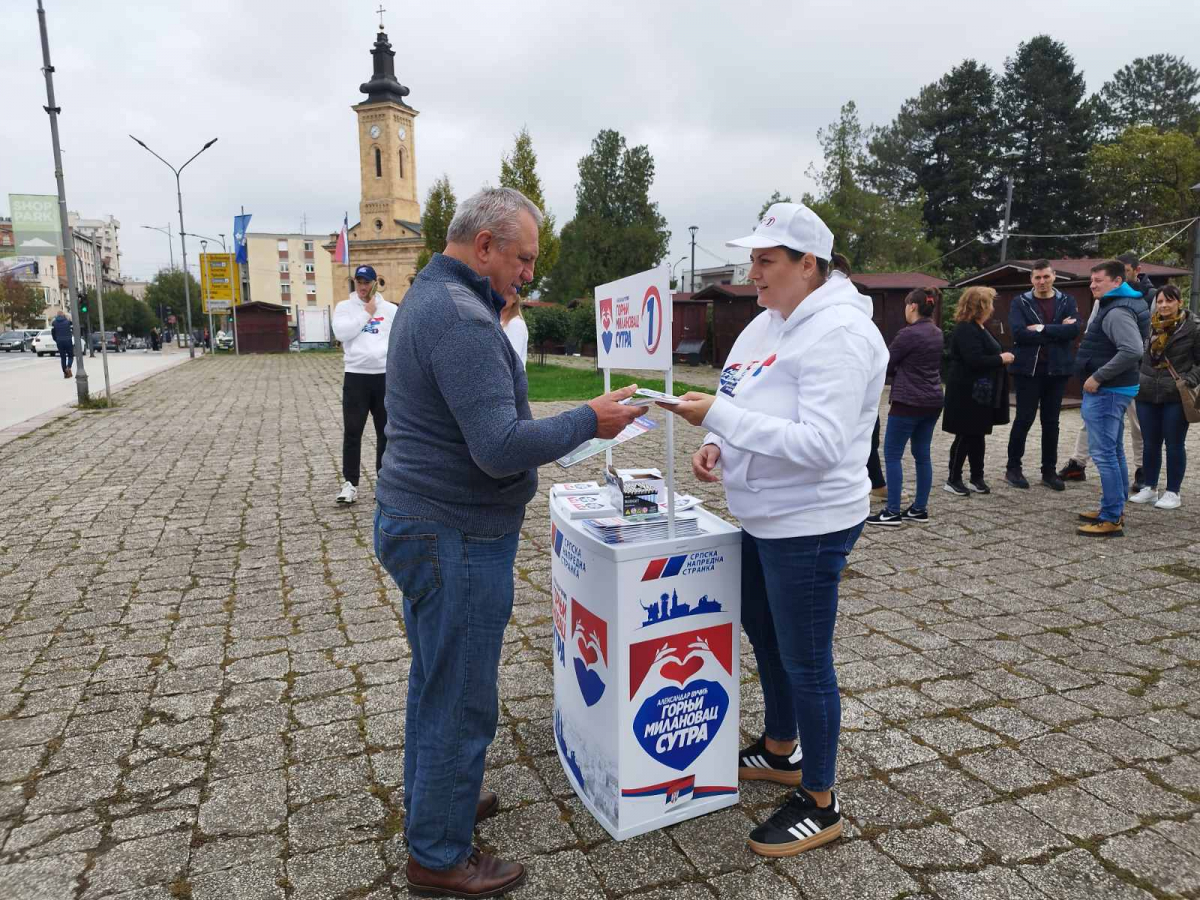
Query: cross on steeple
[[381, 11]]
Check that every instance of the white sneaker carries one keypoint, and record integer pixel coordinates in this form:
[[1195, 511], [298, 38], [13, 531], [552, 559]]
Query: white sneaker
[[1145, 495], [349, 493], [1169, 500]]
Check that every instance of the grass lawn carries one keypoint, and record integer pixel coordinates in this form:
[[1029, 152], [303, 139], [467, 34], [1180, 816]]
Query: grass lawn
[[564, 383]]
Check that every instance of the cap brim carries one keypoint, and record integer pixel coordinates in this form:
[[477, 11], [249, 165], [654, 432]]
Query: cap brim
[[753, 242]]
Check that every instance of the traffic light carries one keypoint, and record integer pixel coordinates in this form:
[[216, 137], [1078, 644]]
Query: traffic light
[[83, 303]]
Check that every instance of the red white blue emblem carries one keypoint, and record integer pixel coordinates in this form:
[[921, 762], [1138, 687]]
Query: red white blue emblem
[[606, 321], [652, 319], [589, 650]]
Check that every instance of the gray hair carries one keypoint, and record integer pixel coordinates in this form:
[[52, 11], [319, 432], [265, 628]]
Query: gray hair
[[491, 209]]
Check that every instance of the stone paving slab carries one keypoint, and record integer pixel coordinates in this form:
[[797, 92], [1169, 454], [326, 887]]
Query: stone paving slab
[[202, 681]]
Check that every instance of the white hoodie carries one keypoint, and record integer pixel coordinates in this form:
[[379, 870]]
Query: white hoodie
[[364, 338], [794, 414]]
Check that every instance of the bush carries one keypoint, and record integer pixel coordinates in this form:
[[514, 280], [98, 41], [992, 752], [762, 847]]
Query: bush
[[548, 325]]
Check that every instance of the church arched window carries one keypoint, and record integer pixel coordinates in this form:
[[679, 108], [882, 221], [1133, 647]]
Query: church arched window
[[378, 163], [400, 155]]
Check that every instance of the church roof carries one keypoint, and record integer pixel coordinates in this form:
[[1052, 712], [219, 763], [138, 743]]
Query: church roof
[[384, 86]]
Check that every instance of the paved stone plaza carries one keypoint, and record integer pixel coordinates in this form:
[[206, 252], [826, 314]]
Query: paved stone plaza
[[202, 675]]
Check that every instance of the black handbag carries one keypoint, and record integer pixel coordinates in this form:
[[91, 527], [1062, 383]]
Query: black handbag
[[981, 390]]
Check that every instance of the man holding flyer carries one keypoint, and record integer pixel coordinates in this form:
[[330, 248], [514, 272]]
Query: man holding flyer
[[460, 466]]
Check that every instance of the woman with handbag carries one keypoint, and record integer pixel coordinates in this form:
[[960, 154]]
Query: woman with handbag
[[976, 389], [1170, 370]]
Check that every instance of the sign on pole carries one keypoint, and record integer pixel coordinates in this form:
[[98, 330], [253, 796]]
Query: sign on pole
[[633, 322], [220, 286], [37, 230]]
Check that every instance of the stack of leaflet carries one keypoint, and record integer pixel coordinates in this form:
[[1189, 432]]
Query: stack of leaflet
[[637, 529]]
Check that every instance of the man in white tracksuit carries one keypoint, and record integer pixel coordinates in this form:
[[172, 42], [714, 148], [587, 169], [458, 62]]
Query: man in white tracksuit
[[362, 322]]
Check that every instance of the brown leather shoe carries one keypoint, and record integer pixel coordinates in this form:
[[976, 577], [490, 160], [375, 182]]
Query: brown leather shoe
[[1101, 529], [489, 803], [479, 875], [1094, 516]]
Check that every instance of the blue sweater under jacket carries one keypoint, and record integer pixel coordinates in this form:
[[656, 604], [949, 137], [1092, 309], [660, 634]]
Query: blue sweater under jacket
[[462, 445]]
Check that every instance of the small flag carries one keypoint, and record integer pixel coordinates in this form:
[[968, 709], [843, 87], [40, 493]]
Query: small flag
[[240, 224], [341, 253]]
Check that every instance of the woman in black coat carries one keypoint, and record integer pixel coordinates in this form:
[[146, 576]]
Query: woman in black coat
[[976, 389]]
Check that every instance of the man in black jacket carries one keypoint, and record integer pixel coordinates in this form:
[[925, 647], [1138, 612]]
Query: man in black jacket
[[1044, 325], [1137, 279]]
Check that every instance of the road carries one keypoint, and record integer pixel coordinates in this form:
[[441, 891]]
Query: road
[[31, 386]]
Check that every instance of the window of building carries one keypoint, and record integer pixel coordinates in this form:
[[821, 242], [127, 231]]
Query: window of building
[[401, 163], [308, 246], [378, 163], [283, 267], [310, 268], [285, 289], [283, 246], [311, 288], [312, 302]]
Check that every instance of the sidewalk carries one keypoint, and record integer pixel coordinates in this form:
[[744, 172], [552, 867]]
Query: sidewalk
[[202, 681]]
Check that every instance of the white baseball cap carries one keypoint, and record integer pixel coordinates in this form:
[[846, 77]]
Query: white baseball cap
[[791, 225]]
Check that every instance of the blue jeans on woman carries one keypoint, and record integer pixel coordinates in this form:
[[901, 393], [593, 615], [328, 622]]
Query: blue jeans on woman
[[901, 430], [1104, 415], [1163, 422], [458, 597], [789, 608]]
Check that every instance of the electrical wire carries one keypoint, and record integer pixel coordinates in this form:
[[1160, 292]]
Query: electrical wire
[[944, 255], [1171, 238], [1012, 234]]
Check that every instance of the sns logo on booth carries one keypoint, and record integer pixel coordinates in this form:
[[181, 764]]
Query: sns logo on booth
[[683, 703], [606, 321], [589, 649], [652, 318], [560, 621]]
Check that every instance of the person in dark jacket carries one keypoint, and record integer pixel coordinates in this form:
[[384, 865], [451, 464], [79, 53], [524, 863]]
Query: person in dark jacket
[[1044, 323], [915, 363], [1109, 357], [1174, 342], [1137, 279], [63, 333], [976, 389]]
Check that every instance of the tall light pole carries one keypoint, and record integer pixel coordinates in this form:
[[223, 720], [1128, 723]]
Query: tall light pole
[[208, 238], [693, 229], [1196, 259], [187, 294], [1010, 156], [674, 267], [170, 240], [81, 379]]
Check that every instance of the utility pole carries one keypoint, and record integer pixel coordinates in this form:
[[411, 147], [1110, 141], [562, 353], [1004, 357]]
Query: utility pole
[[693, 229], [103, 334], [1008, 179], [81, 379], [1196, 259]]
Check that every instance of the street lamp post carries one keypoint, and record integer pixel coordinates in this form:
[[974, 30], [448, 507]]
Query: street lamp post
[[693, 229], [674, 267], [170, 240], [1010, 156], [207, 238], [187, 294]]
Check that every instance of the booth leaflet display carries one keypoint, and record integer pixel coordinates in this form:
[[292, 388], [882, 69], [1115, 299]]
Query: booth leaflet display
[[646, 634]]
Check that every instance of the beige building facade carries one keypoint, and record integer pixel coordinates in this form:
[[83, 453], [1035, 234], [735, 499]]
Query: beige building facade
[[291, 270], [387, 236]]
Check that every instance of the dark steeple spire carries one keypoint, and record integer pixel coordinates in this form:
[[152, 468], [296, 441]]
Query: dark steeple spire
[[384, 84]]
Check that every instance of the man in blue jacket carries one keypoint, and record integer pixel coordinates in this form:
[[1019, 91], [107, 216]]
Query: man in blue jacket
[[1044, 324], [1109, 357], [460, 465], [63, 334]]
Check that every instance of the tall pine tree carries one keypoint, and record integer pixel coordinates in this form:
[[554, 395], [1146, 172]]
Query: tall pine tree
[[1049, 128], [519, 170], [617, 229], [1160, 90], [440, 204]]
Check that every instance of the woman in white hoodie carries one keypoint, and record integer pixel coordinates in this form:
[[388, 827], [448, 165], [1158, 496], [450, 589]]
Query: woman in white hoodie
[[362, 323], [791, 428]]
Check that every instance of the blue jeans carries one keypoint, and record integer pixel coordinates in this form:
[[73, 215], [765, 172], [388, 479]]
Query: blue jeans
[[458, 597], [900, 430], [66, 354], [789, 608], [1104, 415], [1163, 422]]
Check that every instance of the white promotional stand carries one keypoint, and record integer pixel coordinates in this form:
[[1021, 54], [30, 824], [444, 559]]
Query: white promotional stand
[[646, 634]]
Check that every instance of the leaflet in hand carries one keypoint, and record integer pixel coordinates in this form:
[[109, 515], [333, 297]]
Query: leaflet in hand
[[647, 397], [636, 428]]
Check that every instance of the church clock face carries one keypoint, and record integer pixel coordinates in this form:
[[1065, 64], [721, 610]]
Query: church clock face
[[402, 132], [374, 131]]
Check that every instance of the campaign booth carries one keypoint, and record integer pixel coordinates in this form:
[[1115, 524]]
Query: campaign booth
[[646, 631]]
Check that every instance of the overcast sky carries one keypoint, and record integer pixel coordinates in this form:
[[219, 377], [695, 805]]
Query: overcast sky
[[728, 96]]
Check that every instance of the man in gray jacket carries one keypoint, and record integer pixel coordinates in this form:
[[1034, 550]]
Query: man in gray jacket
[[460, 466]]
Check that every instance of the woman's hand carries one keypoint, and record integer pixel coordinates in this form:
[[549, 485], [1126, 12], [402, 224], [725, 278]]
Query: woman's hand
[[1007, 358], [693, 408], [704, 461]]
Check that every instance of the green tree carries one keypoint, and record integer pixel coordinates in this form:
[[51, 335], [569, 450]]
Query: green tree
[[1159, 90], [547, 325], [440, 204], [20, 304], [1142, 178], [166, 291], [519, 170], [124, 311], [617, 229], [873, 231], [1050, 130], [776, 197], [940, 152]]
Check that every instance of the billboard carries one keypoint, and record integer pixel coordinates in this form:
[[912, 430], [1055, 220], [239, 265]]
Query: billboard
[[633, 322], [37, 228], [220, 286]]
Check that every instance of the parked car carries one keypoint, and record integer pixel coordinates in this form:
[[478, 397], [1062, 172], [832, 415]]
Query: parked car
[[30, 334], [137, 343], [43, 343], [12, 340], [224, 340], [112, 339]]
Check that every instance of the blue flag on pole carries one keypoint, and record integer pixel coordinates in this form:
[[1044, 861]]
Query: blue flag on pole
[[240, 224]]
